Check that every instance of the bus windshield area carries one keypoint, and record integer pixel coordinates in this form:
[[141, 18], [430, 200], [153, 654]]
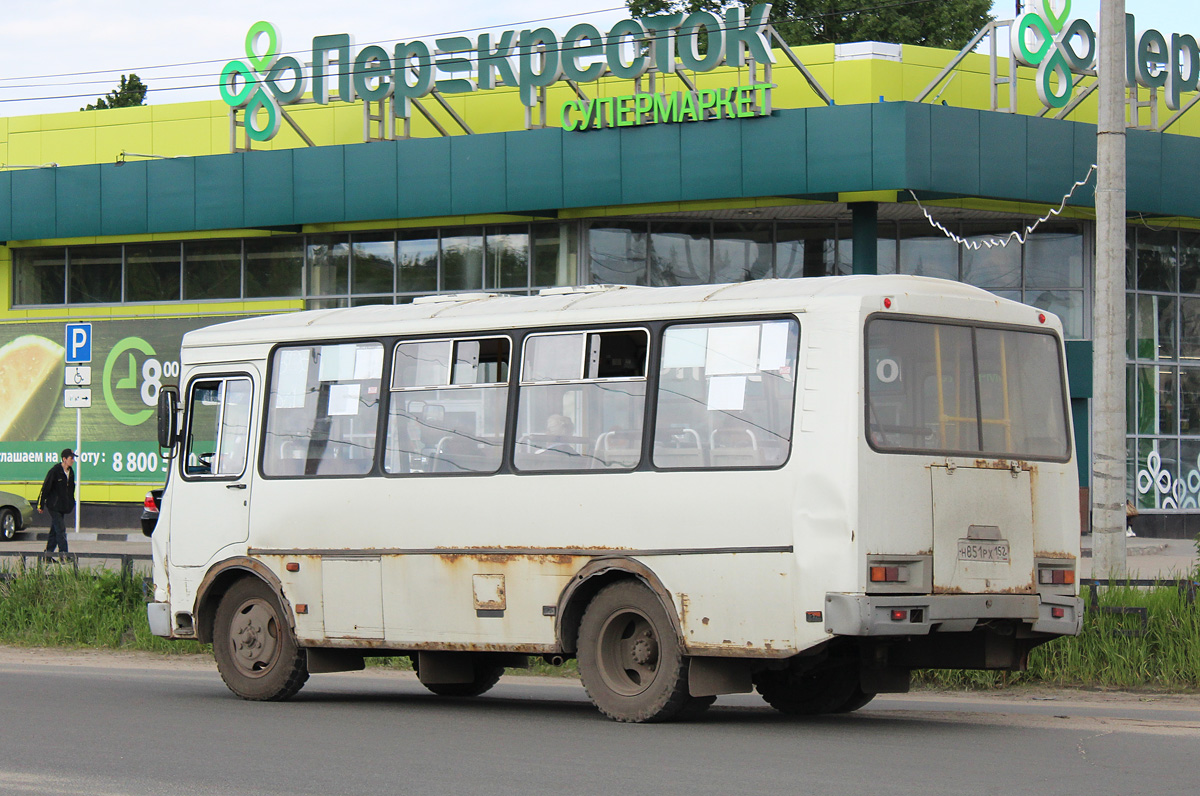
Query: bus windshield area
[[961, 389]]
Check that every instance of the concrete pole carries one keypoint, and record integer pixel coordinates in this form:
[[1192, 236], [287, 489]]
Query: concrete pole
[[1108, 325]]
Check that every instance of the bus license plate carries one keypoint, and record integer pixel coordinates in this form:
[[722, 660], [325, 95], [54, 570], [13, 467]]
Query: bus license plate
[[976, 550]]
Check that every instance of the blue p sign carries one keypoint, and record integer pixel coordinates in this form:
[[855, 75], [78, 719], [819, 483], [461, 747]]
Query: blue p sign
[[79, 343]]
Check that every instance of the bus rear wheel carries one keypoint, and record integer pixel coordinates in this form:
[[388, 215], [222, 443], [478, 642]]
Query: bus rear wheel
[[629, 660], [256, 653], [814, 692]]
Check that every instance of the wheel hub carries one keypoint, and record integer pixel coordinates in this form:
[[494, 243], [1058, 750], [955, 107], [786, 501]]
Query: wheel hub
[[644, 651]]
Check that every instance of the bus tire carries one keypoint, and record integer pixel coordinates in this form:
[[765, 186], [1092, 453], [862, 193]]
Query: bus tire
[[629, 661], [811, 693], [256, 653], [486, 676]]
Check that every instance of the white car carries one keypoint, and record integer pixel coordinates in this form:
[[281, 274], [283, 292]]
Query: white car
[[15, 514]]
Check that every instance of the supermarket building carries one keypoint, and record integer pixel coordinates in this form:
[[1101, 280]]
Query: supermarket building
[[154, 220]]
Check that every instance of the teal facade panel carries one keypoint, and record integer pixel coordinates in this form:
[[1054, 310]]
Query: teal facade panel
[[5, 205], [477, 174], [1050, 163], [1179, 180], [171, 195], [1002, 142], [220, 200], [77, 201], [955, 151], [370, 173], [651, 163], [711, 159], [889, 155], [592, 168], [1085, 155], [123, 197], [534, 170], [268, 188], [918, 131], [319, 177], [775, 154], [33, 206], [839, 149], [423, 178], [1144, 171]]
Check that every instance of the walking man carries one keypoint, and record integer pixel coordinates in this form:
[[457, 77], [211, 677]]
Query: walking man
[[58, 497]]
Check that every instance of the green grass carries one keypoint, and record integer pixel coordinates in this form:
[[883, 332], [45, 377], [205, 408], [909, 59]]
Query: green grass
[[55, 606]]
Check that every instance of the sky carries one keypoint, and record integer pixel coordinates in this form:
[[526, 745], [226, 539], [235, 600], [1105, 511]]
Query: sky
[[59, 55]]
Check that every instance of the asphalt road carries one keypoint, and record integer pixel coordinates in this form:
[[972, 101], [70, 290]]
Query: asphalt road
[[102, 725]]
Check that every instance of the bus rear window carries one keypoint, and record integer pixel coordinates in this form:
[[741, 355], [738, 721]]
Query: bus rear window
[[960, 389]]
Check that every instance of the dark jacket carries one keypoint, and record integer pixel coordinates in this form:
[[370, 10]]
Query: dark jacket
[[58, 490]]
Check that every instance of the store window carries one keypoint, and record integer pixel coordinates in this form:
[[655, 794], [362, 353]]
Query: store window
[[212, 269], [373, 263], [555, 254], [328, 265], [462, 260], [40, 276], [94, 275], [507, 257], [274, 267], [153, 271], [417, 261], [742, 252]]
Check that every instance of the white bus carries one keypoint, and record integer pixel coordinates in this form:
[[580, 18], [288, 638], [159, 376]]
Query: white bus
[[810, 487]]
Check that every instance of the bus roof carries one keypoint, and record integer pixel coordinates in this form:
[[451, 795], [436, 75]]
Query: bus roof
[[602, 304]]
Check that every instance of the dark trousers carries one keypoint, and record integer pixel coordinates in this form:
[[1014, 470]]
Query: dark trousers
[[58, 533]]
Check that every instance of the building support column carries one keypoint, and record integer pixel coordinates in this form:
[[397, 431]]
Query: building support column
[[865, 221]]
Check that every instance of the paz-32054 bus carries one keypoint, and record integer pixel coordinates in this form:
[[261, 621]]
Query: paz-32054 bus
[[808, 487]]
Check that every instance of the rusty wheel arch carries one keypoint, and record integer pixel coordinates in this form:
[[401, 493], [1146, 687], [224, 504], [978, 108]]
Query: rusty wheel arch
[[219, 580], [593, 577]]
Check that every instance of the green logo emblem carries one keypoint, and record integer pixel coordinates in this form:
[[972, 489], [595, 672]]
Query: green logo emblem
[[1041, 37], [253, 83]]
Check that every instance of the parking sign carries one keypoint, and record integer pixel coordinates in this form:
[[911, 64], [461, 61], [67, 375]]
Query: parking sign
[[79, 343]]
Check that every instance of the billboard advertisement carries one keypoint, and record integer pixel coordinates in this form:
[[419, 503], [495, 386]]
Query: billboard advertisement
[[129, 361]]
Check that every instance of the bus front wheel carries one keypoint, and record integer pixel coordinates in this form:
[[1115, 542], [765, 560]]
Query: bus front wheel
[[256, 653], [629, 660]]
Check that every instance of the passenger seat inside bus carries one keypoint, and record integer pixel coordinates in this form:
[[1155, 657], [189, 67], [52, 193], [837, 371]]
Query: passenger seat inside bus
[[734, 447]]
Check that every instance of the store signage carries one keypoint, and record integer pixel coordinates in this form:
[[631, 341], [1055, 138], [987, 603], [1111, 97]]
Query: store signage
[[530, 60], [630, 110], [1060, 48]]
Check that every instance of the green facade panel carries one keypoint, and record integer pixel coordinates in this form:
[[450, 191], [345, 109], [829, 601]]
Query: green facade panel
[[1002, 142], [370, 174], [171, 195], [1085, 155], [889, 156], [219, 197], [917, 132], [1050, 160], [775, 155], [77, 201], [319, 177], [651, 163], [712, 156], [477, 174], [1144, 171], [123, 193], [423, 178], [269, 188], [5, 205], [840, 141], [954, 153], [534, 164], [1179, 180], [591, 169]]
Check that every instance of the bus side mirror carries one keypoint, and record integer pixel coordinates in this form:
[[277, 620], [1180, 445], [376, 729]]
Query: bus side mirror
[[168, 417]]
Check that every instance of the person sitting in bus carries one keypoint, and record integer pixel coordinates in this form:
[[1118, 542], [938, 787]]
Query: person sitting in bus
[[559, 438]]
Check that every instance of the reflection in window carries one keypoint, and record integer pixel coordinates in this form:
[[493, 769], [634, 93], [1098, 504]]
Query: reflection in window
[[274, 267], [679, 254], [448, 405], [94, 274], [328, 265], [924, 253], [212, 269], [1066, 304], [1155, 327], [153, 271], [40, 276], [507, 251], [1156, 260], [322, 409], [742, 252], [373, 264], [804, 250], [555, 258], [994, 266], [462, 260], [617, 253], [582, 401], [1054, 259], [725, 395], [417, 261]]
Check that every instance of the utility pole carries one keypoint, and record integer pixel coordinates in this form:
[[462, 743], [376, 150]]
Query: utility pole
[[1108, 326]]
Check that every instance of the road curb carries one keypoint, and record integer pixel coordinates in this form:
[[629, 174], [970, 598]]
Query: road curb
[[82, 536]]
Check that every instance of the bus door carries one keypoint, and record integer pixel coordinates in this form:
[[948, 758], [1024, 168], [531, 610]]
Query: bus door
[[210, 503]]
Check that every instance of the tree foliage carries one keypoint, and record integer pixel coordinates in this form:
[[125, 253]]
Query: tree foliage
[[932, 23], [130, 91]]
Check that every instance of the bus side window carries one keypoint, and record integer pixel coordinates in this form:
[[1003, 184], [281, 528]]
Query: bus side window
[[726, 393], [322, 409]]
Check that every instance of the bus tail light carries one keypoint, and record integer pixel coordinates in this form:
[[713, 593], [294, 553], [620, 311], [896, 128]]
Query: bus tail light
[[1056, 576], [889, 574]]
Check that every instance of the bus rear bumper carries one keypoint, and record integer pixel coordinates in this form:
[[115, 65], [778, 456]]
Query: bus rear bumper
[[917, 615]]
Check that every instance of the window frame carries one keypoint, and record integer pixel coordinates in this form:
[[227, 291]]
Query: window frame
[[225, 378]]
